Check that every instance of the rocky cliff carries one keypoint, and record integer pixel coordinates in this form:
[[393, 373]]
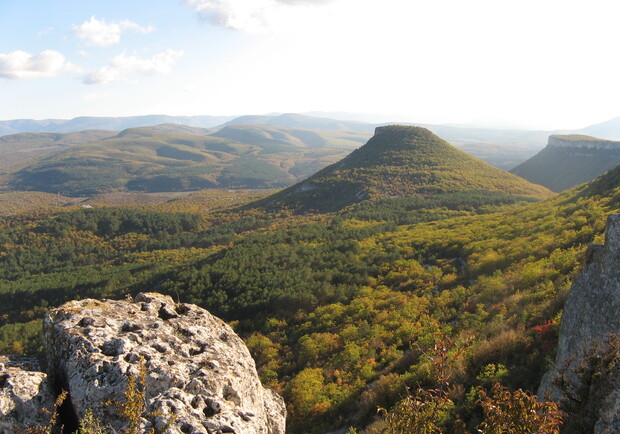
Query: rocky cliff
[[191, 372], [585, 378], [580, 141], [570, 160]]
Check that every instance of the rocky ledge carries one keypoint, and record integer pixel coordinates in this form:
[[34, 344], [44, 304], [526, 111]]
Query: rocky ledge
[[580, 141], [585, 378], [198, 374]]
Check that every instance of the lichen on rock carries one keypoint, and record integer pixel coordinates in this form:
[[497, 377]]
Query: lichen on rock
[[199, 375], [24, 394]]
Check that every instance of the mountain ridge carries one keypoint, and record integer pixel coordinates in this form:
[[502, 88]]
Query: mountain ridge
[[170, 157], [79, 123]]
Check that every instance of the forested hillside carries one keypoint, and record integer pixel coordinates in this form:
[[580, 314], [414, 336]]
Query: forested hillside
[[169, 158], [339, 310], [21, 150], [399, 162]]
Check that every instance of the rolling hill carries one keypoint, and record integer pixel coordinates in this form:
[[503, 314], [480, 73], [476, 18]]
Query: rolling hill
[[399, 161], [570, 160], [294, 120], [274, 139], [180, 158], [20, 150], [502, 148]]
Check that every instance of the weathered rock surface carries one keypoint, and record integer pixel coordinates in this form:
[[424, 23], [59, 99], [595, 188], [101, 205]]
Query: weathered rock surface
[[200, 377], [24, 394], [588, 336]]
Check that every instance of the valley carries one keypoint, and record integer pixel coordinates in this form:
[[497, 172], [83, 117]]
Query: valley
[[343, 285], [309, 217]]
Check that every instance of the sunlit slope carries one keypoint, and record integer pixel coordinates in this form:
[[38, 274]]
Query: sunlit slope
[[273, 138], [20, 150], [173, 158], [400, 161], [347, 303]]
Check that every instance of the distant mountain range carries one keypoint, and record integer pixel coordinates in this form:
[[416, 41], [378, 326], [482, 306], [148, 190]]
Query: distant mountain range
[[105, 123], [399, 161], [293, 120], [608, 130], [290, 120], [89, 155], [570, 160], [502, 148]]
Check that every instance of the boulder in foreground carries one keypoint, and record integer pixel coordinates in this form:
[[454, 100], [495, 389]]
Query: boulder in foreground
[[199, 375]]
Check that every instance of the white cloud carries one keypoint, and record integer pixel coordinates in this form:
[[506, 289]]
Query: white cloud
[[253, 16], [249, 15], [100, 33], [122, 66], [19, 64]]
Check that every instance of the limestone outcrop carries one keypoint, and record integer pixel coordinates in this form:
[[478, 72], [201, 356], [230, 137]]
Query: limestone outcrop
[[578, 141], [24, 394], [570, 160], [192, 373], [585, 378]]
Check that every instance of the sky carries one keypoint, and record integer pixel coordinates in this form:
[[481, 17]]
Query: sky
[[534, 64]]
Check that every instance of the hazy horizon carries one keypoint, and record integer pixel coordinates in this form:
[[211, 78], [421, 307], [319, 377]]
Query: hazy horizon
[[524, 64]]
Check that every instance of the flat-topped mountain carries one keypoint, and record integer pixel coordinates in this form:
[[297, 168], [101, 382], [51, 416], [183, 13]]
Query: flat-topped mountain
[[570, 160], [581, 141], [399, 161]]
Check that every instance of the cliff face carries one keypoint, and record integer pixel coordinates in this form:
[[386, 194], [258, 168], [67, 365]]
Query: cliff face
[[570, 160], [199, 376], [584, 142], [585, 378]]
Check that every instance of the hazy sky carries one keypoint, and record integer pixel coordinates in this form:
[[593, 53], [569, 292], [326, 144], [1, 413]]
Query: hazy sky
[[543, 63]]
